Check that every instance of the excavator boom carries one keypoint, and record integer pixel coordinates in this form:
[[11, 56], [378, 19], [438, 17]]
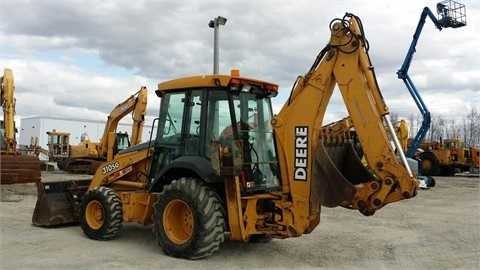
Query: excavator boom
[[8, 104], [15, 167], [136, 103], [87, 155]]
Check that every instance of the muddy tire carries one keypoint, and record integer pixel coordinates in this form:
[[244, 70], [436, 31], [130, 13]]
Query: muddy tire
[[189, 219], [430, 164], [101, 214]]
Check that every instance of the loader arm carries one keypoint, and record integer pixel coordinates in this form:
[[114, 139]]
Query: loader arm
[[136, 103], [309, 156]]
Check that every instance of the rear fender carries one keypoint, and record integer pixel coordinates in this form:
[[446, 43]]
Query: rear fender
[[194, 166]]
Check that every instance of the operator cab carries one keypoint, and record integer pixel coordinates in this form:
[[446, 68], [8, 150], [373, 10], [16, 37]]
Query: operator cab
[[122, 141], [212, 115]]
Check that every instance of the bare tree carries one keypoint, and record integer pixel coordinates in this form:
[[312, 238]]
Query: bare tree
[[394, 118], [452, 130], [414, 124], [467, 128], [471, 128], [436, 131]]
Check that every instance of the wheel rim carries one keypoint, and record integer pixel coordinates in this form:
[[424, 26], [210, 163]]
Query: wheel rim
[[94, 215], [426, 165], [178, 222]]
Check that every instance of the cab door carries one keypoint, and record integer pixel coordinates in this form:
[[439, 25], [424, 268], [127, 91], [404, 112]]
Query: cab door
[[168, 145], [179, 129]]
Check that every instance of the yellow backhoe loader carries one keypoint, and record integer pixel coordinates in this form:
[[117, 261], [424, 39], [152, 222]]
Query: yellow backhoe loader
[[222, 162], [15, 166], [88, 155]]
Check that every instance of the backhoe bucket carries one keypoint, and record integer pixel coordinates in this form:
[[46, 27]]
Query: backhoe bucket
[[57, 202], [335, 172], [19, 169]]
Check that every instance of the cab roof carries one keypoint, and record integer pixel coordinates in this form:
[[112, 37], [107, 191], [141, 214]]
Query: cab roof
[[214, 80]]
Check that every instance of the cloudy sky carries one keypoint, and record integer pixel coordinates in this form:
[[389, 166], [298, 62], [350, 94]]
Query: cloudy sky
[[78, 59]]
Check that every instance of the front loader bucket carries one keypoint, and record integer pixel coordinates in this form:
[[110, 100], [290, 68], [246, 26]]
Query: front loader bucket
[[19, 169], [336, 170], [57, 202]]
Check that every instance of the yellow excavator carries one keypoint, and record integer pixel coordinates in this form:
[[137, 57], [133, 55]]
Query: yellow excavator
[[88, 155], [15, 166], [267, 177]]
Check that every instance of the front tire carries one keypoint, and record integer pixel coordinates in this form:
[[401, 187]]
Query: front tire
[[189, 219], [101, 214]]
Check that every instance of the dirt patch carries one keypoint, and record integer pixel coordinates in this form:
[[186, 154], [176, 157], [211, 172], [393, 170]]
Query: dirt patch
[[438, 229]]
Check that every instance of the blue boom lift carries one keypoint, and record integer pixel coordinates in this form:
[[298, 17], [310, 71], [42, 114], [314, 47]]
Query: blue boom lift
[[451, 14]]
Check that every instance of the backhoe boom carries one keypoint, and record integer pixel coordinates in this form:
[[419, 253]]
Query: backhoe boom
[[344, 62]]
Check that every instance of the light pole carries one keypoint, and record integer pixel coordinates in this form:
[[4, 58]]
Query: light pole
[[214, 24]]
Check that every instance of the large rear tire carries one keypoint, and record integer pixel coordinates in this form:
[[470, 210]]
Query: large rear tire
[[101, 214], [189, 219], [430, 164]]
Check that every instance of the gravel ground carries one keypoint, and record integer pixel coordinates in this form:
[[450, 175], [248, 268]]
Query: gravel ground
[[438, 229]]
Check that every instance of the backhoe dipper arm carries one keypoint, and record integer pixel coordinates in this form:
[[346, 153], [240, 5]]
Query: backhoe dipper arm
[[312, 158], [136, 103]]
